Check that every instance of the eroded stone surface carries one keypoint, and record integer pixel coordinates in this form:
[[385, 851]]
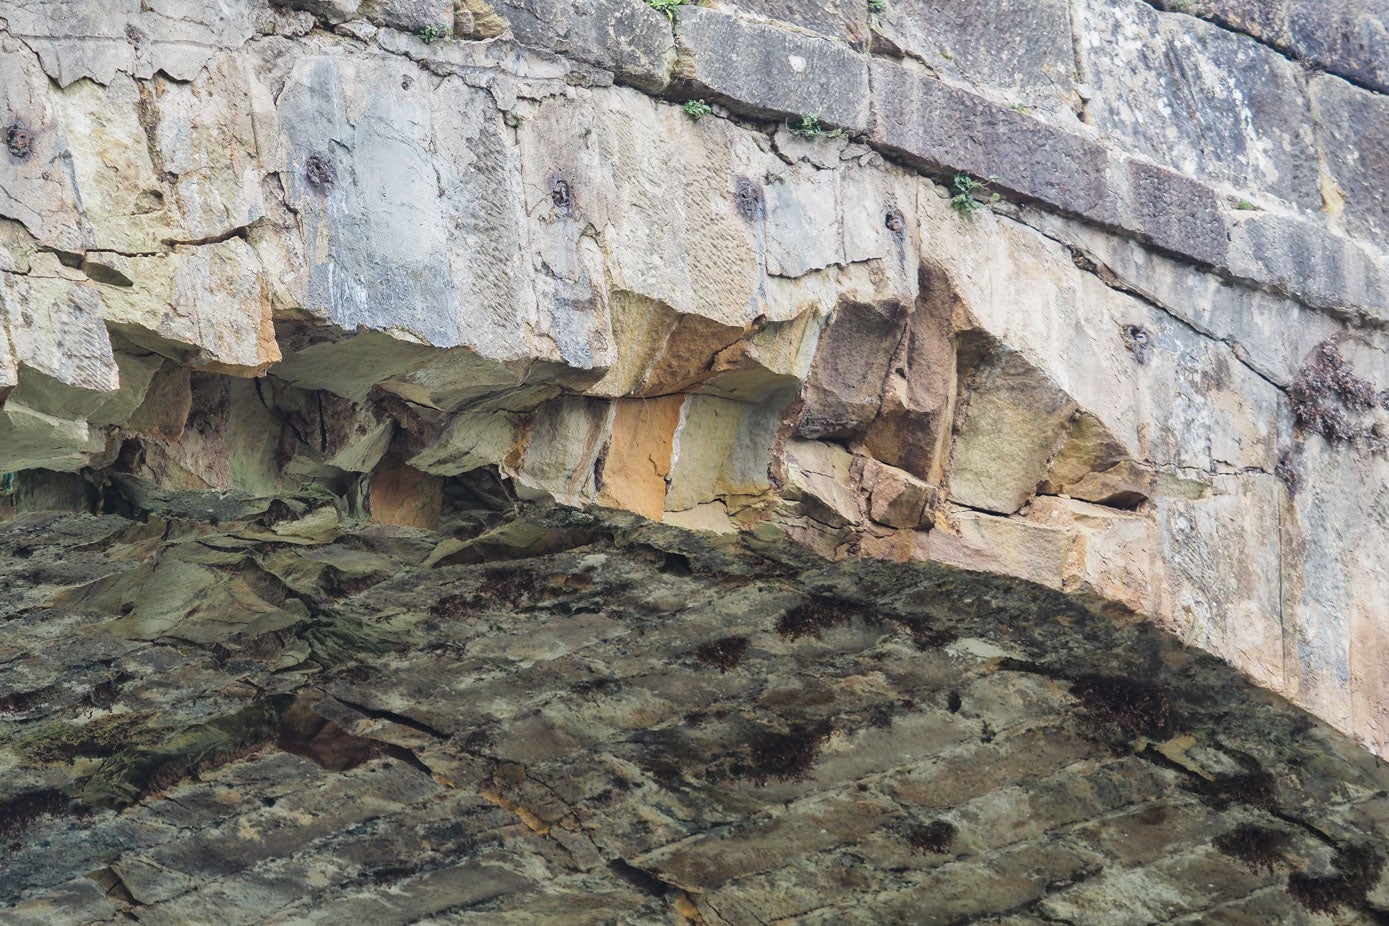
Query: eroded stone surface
[[538, 715], [257, 257]]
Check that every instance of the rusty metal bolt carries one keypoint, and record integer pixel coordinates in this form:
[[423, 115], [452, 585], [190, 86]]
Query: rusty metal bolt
[[560, 195], [1138, 341], [19, 140], [320, 172], [749, 199]]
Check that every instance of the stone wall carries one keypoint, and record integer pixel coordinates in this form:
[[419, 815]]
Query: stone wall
[[351, 251]]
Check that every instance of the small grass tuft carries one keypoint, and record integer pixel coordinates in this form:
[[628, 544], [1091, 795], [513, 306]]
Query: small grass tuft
[[1245, 205], [431, 34], [697, 109], [809, 127], [668, 7], [877, 6], [966, 193]]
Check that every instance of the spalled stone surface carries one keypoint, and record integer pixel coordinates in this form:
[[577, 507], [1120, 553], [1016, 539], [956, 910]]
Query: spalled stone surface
[[75, 40], [257, 262], [421, 16], [1345, 37], [1356, 142], [939, 126], [300, 718], [845, 20]]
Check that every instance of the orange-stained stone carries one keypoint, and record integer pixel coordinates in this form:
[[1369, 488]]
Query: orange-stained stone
[[638, 460], [405, 496]]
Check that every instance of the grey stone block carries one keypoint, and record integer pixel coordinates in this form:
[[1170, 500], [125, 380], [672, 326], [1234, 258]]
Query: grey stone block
[[626, 37], [1020, 47], [333, 11], [1173, 212], [842, 20], [1203, 100], [1353, 125], [411, 15], [1347, 37], [1308, 262], [932, 125], [763, 71]]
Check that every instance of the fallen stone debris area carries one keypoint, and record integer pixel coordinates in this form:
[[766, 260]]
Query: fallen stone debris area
[[542, 715]]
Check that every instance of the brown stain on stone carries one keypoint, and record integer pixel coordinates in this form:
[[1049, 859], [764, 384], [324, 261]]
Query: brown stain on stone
[[532, 822], [404, 496], [687, 357], [722, 654], [1357, 870], [787, 755], [304, 732], [20, 812], [1257, 846], [933, 838], [1136, 706], [817, 614]]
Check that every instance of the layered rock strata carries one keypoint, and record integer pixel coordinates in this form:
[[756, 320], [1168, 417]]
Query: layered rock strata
[[335, 251]]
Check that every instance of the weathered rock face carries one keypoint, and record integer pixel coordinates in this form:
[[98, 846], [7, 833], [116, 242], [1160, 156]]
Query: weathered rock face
[[257, 254], [539, 716]]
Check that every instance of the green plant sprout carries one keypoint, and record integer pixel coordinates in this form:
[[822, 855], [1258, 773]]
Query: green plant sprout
[[668, 7], [809, 127], [965, 192], [697, 109]]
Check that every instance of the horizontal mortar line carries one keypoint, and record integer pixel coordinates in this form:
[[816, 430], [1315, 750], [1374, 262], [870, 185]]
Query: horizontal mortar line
[[1355, 313], [1141, 296]]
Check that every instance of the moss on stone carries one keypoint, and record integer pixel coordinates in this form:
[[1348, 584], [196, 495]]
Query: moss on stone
[[128, 775], [61, 743]]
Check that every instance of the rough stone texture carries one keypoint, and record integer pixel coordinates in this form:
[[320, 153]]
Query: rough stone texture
[[845, 20], [1355, 140], [942, 127], [626, 37], [541, 716], [770, 73], [410, 15], [1345, 37], [979, 44], [270, 262], [1252, 128]]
